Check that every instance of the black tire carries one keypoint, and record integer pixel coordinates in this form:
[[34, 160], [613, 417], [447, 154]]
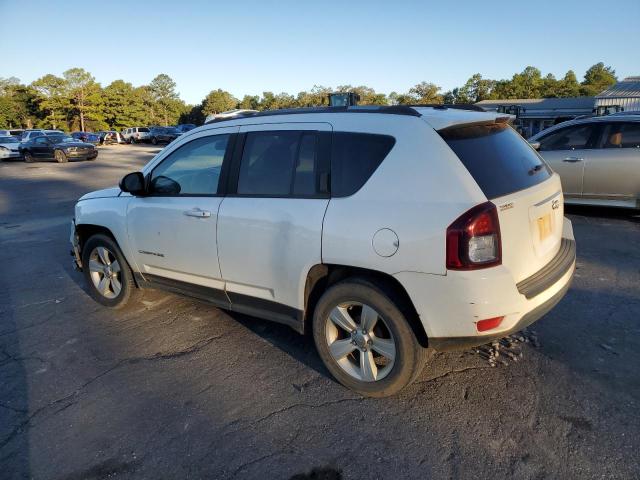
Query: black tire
[[128, 288], [60, 156], [154, 141], [132, 140], [28, 157], [410, 356]]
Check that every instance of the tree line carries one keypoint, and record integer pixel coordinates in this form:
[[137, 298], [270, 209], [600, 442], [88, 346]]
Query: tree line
[[75, 101]]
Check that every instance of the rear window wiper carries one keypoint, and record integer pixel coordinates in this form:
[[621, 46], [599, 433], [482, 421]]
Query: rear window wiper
[[535, 169]]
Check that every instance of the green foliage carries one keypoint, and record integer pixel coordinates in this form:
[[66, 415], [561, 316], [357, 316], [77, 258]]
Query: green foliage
[[165, 99], [249, 102], [77, 101], [597, 79], [123, 105], [52, 100], [426, 92], [218, 101]]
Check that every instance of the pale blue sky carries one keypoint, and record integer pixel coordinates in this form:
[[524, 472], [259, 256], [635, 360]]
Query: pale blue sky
[[247, 47]]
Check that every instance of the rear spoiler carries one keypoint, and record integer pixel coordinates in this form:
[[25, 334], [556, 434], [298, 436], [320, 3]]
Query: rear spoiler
[[440, 119], [506, 119]]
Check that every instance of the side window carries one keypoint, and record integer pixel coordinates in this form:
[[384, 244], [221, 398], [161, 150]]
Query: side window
[[41, 140], [570, 138], [192, 169], [354, 158], [621, 135], [279, 163]]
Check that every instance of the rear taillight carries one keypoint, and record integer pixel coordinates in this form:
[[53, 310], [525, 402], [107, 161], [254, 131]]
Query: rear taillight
[[473, 240]]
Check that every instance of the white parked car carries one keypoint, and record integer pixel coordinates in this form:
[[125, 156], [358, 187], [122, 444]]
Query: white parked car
[[9, 147], [381, 230], [136, 134], [29, 135]]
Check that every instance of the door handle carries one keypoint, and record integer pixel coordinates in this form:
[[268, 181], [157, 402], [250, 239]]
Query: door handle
[[572, 159], [196, 212]]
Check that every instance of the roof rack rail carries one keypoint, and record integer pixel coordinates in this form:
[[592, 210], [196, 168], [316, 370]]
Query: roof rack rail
[[386, 109], [456, 106]]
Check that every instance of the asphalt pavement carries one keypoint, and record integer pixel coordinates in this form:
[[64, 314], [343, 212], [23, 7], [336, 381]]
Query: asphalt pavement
[[172, 388]]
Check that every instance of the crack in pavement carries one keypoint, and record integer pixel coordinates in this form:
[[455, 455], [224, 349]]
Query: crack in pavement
[[451, 372], [253, 423], [158, 356]]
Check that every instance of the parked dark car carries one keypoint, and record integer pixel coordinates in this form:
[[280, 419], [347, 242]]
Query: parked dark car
[[163, 134], [185, 127], [86, 137], [60, 148]]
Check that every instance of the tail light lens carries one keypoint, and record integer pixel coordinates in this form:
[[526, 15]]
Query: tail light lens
[[473, 240]]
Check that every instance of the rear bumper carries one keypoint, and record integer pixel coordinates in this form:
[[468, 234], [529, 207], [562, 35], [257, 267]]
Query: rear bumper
[[450, 305], [463, 343]]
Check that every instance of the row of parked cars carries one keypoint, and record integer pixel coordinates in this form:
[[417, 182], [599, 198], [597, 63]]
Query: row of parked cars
[[36, 144], [47, 144], [155, 135]]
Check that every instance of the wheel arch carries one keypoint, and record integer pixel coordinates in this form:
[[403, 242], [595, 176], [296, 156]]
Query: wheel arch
[[322, 276], [87, 230]]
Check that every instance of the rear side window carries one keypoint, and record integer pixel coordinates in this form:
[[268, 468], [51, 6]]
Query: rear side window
[[621, 135], [354, 158], [497, 157], [280, 163]]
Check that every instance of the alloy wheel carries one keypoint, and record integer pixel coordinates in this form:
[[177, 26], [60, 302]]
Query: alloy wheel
[[360, 341], [105, 272]]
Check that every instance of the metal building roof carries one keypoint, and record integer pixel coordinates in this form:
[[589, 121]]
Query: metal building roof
[[629, 87], [545, 107]]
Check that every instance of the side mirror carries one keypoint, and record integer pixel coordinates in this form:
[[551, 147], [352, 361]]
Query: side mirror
[[164, 186], [535, 145], [133, 183]]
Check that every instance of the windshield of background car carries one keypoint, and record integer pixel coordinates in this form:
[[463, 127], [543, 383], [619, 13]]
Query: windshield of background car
[[61, 139], [9, 140]]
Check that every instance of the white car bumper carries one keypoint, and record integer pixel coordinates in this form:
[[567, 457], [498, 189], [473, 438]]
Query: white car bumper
[[450, 306]]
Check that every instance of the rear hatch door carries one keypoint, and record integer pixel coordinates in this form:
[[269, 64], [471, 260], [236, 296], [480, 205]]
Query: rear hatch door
[[526, 192]]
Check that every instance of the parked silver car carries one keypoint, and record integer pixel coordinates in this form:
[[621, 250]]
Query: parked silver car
[[598, 159]]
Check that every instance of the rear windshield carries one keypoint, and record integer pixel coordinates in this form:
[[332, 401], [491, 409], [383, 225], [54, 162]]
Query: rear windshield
[[497, 157]]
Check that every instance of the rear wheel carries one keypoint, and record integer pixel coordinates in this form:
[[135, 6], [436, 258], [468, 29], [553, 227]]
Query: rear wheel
[[60, 156], [154, 141], [28, 157], [364, 339]]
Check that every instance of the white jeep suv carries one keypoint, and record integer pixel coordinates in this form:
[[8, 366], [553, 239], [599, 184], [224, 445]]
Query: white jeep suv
[[383, 231], [136, 134]]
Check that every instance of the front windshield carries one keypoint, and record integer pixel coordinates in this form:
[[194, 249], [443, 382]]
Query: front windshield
[[61, 139], [9, 140]]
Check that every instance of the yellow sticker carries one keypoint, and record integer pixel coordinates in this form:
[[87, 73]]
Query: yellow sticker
[[544, 226]]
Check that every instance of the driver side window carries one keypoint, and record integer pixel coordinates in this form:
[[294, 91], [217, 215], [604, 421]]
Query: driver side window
[[192, 169], [41, 140], [570, 138]]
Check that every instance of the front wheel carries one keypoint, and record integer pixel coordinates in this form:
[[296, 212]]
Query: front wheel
[[28, 157], [154, 141], [106, 272], [364, 339], [60, 156]]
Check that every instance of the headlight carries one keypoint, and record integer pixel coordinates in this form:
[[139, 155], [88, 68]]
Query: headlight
[[71, 149]]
